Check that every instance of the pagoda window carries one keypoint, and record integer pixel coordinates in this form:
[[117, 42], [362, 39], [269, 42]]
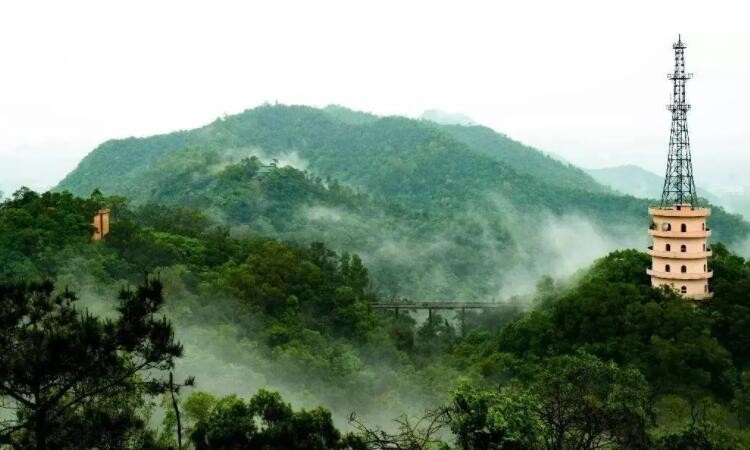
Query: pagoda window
[[683, 289], [683, 269], [667, 268], [683, 248], [683, 227], [668, 247]]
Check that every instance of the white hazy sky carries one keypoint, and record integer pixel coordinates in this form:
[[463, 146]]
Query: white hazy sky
[[584, 80]]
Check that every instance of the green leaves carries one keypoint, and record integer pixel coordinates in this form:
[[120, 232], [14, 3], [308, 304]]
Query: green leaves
[[575, 402], [267, 422], [614, 313], [495, 420], [35, 228], [71, 377]]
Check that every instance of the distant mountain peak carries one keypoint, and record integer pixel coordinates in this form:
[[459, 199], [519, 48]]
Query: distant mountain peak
[[447, 118], [634, 180]]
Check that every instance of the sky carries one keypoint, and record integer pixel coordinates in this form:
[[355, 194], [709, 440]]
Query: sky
[[583, 80]]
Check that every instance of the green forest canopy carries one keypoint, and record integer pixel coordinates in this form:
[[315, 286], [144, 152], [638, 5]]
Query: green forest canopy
[[659, 373]]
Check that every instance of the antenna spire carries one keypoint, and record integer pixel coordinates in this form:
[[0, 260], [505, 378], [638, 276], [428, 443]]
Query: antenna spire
[[679, 186]]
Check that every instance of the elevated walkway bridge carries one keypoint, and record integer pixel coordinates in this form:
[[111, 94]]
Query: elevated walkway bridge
[[441, 305]]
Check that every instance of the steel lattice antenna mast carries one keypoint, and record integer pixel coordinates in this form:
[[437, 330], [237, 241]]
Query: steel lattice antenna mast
[[679, 186]]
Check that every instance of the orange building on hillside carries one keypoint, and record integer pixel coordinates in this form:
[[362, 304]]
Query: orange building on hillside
[[100, 224]]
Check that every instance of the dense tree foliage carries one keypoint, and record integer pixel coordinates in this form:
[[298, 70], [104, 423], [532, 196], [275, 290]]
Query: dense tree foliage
[[266, 421], [522, 158], [35, 229], [72, 379], [620, 364], [615, 314], [575, 402], [302, 313]]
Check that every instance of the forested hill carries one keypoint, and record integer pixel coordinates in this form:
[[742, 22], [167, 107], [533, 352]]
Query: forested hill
[[435, 210], [603, 355], [393, 155], [522, 158]]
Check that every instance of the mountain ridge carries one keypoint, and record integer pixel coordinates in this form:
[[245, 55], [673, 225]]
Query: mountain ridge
[[632, 179]]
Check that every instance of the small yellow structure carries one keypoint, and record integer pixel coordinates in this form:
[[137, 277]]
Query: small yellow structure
[[679, 254], [100, 224]]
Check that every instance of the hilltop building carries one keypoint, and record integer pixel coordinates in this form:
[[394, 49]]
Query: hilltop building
[[265, 169], [679, 254]]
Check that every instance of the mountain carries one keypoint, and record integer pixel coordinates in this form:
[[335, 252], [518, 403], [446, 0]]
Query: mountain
[[436, 211], [499, 147], [630, 179], [639, 182], [522, 158], [392, 156], [447, 118], [736, 202]]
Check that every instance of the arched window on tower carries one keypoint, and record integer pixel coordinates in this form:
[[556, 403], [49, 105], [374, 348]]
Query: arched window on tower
[[683, 289], [683, 248], [667, 268], [683, 227], [668, 247], [705, 268], [703, 226], [683, 269], [704, 247]]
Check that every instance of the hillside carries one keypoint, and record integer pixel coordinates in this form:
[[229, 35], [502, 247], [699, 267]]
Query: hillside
[[249, 314], [522, 158], [388, 155], [436, 211]]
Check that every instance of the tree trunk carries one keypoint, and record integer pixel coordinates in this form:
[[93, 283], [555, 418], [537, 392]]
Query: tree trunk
[[176, 412], [40, 430]]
